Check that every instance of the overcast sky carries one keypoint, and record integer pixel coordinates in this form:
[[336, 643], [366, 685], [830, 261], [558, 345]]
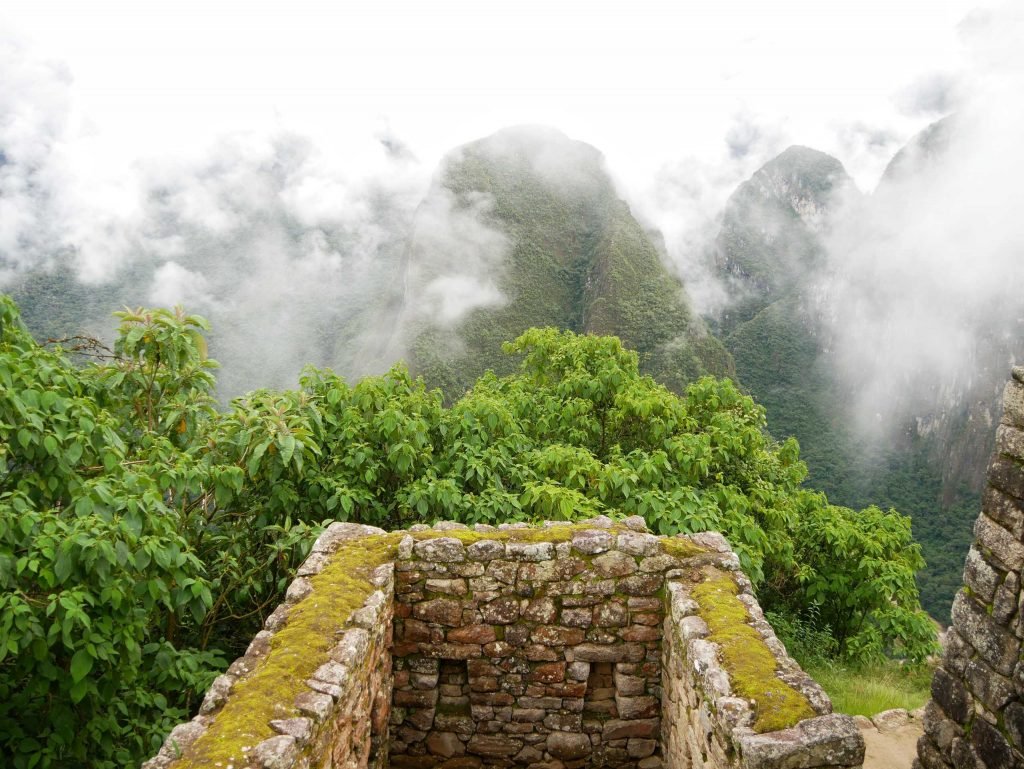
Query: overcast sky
[[649, 83], [291, 136]]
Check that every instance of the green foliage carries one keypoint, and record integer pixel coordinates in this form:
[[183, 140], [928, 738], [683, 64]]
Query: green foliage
[[94, 568], [144, 536], [779, 359]]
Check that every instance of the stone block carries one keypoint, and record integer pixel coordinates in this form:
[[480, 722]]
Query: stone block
[[501, 611], [299, 728], [607, 653], [1004, 510], [951, 696], [449, 586], [443, 611], [994, 644], [629, 685], [938, 727], [592, 541], [1013, 404], [568, 745], [542, 610], [530, 551], [636, 707], [616, 729], [577, 617], [991, 746], [640, 633], [641, 584], [614, 564], [472, 634], [563, 722], [1013, 719], [980, 577], [494, 746], [826, 741], [441, 550], [891, 720], [1010, 442], [1007, 475], [638, 544], [549, 673], [556, 635], [275, 753], [611, 614]]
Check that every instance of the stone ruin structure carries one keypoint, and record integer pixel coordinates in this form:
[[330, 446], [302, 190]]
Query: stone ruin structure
[[567, 646], [975, 719]]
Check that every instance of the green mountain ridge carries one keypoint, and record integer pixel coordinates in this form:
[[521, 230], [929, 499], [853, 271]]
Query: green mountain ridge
[[930, 465], [575, 259]]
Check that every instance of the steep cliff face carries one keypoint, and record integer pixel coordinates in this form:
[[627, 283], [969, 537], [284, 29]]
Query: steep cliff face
[[928, 456], [524, 228], [769, 242]]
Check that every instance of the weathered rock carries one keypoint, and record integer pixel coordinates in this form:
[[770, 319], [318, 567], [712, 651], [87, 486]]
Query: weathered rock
[[444, 611], [614, 564], [999, 544], [891, 720], [638, 544], [991, 746], [980, 577], [445, 744], [951, 696], [494, 746], [592, 541], [472, 634], [568, 745], [441, 550], [530, 551], [276, 753], [299, 728], [832, 740], [617, 729], [995, 644]]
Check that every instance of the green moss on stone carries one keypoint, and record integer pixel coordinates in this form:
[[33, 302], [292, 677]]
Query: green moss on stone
[[296, 651], [302, 645], [680, 547], [747, 659]]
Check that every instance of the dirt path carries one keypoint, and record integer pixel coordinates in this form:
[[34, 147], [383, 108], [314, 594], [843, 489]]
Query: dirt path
[[894, 749]]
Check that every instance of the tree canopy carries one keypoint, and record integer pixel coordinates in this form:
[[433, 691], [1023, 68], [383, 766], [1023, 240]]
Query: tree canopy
[[145, 534]]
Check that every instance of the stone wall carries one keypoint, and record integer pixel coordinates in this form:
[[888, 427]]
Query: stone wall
[[557, 647], [705, 723], [285, 705], [976, 715], [558, 643]]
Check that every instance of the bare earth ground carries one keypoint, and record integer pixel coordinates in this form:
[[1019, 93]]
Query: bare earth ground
[[894, 749]]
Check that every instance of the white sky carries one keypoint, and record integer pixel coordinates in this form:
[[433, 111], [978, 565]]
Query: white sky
[[648, 83]]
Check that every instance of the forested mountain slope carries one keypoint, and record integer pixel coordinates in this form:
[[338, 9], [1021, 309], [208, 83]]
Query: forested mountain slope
[[544, 240], [774, 251]]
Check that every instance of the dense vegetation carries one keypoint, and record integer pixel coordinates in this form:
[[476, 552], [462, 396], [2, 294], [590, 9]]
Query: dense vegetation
[[144, 535], [769, 251]]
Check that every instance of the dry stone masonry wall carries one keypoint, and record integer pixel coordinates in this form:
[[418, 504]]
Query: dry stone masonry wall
[[976, 716], [555, 647]]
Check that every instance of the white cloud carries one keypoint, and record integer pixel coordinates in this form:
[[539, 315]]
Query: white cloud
[[297, 138]]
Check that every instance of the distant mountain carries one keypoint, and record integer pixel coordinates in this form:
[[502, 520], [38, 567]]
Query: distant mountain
[[540, 239], [769, 240], [771, 251]]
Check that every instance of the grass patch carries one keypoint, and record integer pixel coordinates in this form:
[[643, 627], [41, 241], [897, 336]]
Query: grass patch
[[868, 690]]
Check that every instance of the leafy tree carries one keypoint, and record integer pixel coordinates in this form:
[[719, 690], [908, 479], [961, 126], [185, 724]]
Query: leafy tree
[[144, 535], [93, 568]]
